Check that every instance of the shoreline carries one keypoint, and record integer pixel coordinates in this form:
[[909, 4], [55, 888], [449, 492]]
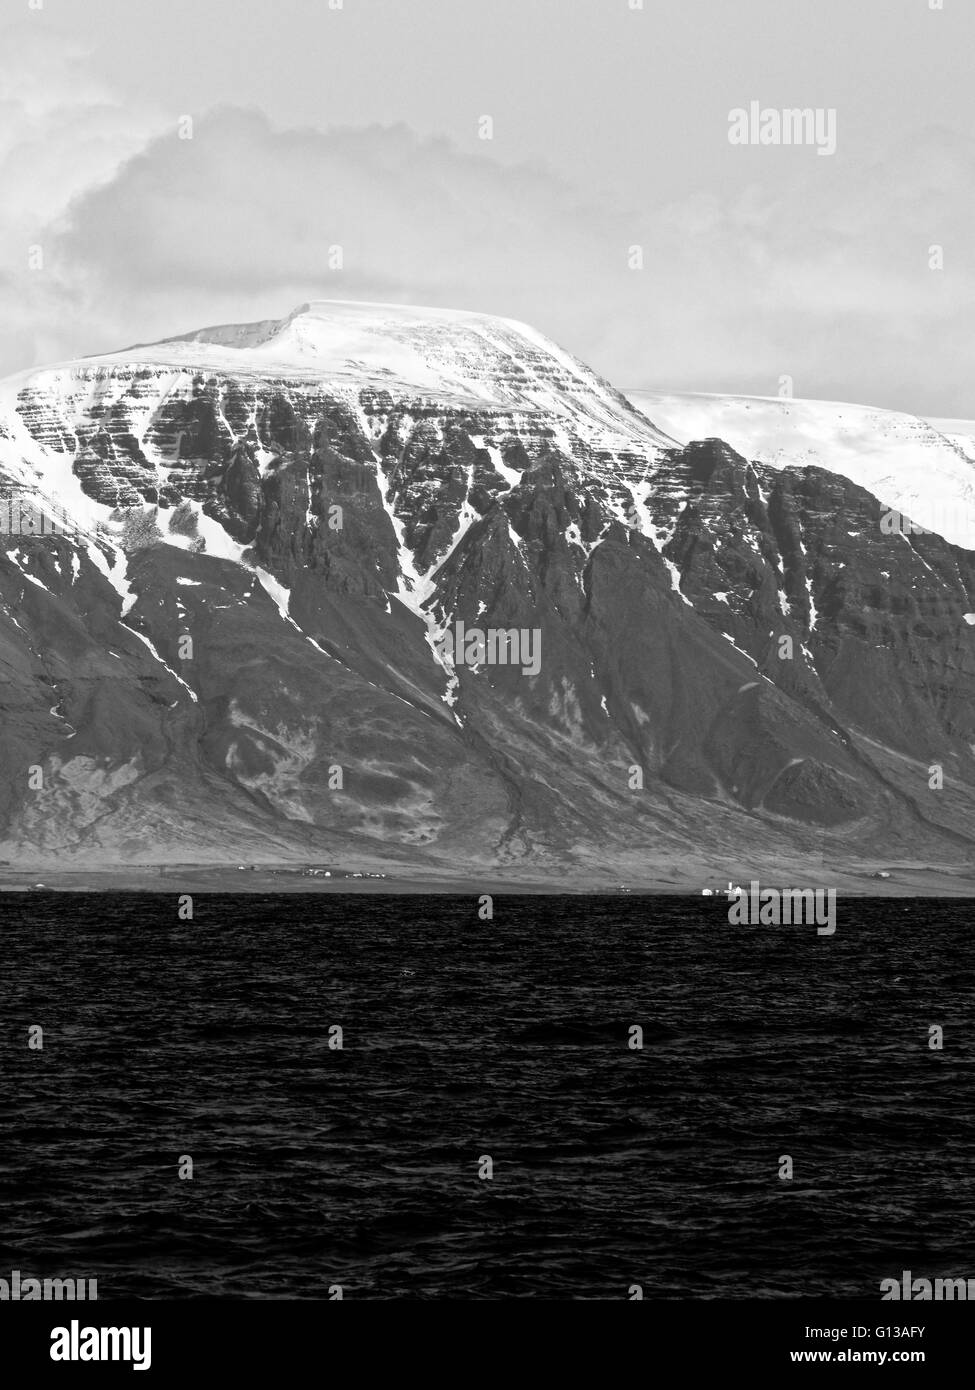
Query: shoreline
[[905, 881]]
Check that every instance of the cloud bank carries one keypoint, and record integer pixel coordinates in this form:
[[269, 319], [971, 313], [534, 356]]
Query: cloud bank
[[145, 234]]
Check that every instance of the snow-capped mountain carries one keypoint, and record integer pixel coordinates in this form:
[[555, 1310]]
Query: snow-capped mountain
[[922, 469], [242, 640]]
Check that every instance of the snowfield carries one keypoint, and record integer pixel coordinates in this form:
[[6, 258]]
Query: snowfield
[[924, 469]]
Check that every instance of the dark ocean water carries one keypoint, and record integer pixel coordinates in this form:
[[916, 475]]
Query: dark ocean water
[[463, 1038]]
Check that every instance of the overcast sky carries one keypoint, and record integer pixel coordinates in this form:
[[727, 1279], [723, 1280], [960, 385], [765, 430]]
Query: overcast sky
[[359, 128]]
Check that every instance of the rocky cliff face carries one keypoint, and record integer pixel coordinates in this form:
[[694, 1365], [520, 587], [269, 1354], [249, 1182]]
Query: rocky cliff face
[[735, 664]]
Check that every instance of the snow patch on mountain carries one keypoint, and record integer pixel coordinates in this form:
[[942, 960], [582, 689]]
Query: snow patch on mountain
[[510, 475], [156, 656], [660, 537]]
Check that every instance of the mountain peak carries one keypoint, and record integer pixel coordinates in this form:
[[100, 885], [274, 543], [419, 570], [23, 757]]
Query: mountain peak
[[319, 325], [462, 357]]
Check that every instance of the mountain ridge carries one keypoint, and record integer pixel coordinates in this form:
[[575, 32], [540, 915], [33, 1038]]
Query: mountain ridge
[[512, 489], [894, 454]]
